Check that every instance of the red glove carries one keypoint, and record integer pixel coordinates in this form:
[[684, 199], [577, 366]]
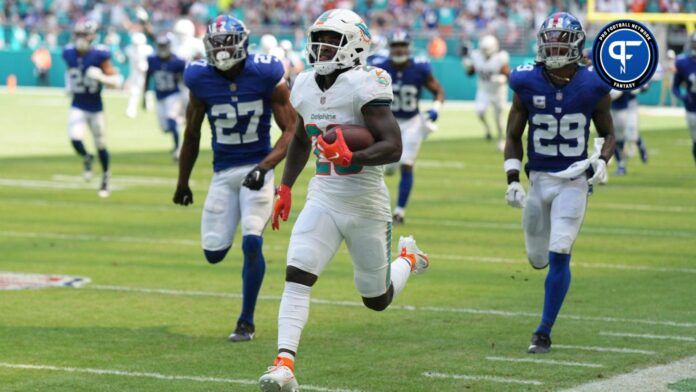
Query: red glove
[[338, 153], [282, 206]]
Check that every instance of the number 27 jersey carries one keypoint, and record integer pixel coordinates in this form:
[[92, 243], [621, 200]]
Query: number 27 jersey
[[239, 110], [558, 117]]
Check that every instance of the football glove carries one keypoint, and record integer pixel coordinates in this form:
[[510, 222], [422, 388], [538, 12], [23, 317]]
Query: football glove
[[281, 209], [432, 114], [255, 179], [600, 172], [515, 195], [338, 152], [183, 195]]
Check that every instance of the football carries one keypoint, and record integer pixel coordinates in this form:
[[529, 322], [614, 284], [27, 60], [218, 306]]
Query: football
[[357, 137]]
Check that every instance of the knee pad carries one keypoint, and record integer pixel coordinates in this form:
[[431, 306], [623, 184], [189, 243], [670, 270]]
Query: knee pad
[[251, 245], [215, 256], [381, 302], [296, 275]]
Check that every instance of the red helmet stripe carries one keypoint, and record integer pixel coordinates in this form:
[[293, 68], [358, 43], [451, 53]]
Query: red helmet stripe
[[555, 19]]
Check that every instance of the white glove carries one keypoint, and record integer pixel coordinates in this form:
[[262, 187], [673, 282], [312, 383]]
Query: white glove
[[600, 172], [94, 73], [515, 195]]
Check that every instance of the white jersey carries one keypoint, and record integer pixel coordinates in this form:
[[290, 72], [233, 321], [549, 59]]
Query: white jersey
[[489, 70], [354, 190], [137, 59]]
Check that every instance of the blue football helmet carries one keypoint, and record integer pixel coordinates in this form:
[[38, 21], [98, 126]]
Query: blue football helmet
[[399, 39], [561, 40], [226, 42]]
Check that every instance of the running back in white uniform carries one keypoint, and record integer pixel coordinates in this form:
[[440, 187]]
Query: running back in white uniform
[[343, 203]]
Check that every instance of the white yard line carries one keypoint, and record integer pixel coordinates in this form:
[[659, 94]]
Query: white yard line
[[24, 183], [618, 350], [469, 377], [649, 336], [546, 362], [487, 312], [159, 376], [653, 379], [186, 242]]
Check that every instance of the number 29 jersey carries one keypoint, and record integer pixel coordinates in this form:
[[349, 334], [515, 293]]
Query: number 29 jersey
[[558, 117], [86, 92], [239, 111], [353, 190]]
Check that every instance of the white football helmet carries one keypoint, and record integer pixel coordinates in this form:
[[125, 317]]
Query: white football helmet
[[184, 28], [354, 46], [268, 43], [138, 39], [489, 45]]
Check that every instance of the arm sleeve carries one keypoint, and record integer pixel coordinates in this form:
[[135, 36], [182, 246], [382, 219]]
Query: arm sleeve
[[376, 85]]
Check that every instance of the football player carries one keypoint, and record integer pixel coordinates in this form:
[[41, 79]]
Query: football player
[[686, 76], [347, 200], [137, 53], [409, 75], [88, 69], [238, 92], [167, 71], [557, 97], [624, 112], [492, 66]]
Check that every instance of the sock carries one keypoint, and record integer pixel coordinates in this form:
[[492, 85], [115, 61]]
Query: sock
[[399, 211], [104, 159], [556, 287], [79, 147], [618, 152], [400, 271], [405, 186], [482, 117], [252, 275], [171, 127], [693, 151], [293, 314]]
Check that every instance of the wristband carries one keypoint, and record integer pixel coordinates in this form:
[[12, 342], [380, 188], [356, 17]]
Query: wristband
[[512, 164]]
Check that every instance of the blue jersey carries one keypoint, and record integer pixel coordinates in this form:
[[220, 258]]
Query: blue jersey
[[623, 100], [167, 73], [558, 117], [86, 92], [686, 74], [239, 110], [407, 84]]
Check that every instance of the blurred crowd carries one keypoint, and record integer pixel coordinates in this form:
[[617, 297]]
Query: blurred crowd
[[35, 23]]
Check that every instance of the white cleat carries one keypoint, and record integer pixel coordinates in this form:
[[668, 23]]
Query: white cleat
[[104, 189], [409, 250], [279, 378]]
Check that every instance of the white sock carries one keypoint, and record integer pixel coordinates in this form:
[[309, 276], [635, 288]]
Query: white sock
[[400, 271], [293, 314]]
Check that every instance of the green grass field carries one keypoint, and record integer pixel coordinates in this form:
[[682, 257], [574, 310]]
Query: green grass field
[[156, 316]]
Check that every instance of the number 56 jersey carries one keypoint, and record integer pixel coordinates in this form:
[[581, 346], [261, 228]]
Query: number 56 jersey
[[239, 111], [558, 117], [354, 190]]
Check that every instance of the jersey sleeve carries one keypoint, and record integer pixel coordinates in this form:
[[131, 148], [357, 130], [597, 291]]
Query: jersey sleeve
[[425, 66], [275, 72], [516, 80], [190, 75], [65, 54], [376, 85], [104, 54], [296, 93], [504, 57]]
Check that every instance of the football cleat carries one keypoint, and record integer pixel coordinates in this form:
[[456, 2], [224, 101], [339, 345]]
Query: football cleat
[[280, 377], [87, 172], [643, 154], [416, 258], [243, 333], [541, 344], [397, 220], [620, 171], [104, 190]]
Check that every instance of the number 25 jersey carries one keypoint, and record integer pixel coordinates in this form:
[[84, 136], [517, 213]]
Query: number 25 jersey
[[239, 111], [558, 117]]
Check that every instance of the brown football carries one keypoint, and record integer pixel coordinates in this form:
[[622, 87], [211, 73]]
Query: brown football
[[357, 137]]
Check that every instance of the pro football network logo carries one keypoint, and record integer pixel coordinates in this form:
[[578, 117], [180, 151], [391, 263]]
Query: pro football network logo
[[625, 54]]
